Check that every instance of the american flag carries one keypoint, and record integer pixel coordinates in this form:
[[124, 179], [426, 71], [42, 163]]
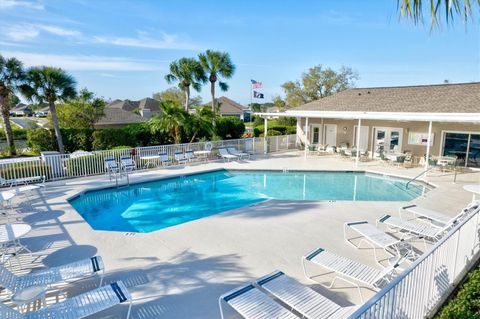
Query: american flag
[[256, 84]]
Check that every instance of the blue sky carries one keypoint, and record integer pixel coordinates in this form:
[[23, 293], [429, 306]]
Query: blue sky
[[121, 49]]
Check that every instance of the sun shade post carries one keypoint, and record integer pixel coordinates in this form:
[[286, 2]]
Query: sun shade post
[[307, 142], [429, 138], [357, 143], [265, 137]]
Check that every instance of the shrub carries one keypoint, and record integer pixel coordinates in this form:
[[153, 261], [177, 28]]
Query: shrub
[[287, 121], [41, 139], [18, 133], [256, 132], [272, 133], [466, 303], [25, 169], [108, 138], [229, 127], [291, 130], [76, 139]]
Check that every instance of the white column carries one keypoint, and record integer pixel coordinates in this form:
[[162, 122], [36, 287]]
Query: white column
[[357, 143], [307, 141], [265, 139], [428, 144]]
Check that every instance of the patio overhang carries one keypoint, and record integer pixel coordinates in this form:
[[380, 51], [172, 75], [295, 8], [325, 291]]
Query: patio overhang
[[389, 116]]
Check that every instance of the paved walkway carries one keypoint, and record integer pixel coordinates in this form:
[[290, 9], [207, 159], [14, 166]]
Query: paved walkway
[[180, 272]]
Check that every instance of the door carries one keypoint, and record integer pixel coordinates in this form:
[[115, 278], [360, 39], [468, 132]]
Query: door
[[387, 140], [316, 137], [464, 146], [363, 137], [331, 134]]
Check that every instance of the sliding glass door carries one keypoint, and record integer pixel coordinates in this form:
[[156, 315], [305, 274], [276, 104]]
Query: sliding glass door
[[465, 146]]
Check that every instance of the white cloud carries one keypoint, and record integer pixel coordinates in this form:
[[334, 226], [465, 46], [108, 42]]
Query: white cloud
[[25, 32], [8, 4], [84, 62], [166, 41]]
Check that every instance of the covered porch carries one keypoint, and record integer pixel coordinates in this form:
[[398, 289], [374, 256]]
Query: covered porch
[[448, 138]]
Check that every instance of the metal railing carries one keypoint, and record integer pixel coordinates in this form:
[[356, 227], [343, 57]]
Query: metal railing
[[62, 166], [418, 176], [422, 288]]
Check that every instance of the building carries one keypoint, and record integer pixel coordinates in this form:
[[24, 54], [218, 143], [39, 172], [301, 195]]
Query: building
[[21, 109], [426, 120], [229, 107], [146, 107], [117, 117]]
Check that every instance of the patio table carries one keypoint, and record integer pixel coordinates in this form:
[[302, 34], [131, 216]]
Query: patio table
[[394, 157], [473, 188], [10, 234], [202, 154], [150, 160]]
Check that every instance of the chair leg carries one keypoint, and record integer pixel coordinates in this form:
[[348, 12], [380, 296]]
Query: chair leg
[[129, 309]]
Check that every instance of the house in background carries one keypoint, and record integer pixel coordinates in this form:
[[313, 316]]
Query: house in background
[[146, 107], [425, 120], [21, 109], [42, 112], [117, 117], [229, 107]]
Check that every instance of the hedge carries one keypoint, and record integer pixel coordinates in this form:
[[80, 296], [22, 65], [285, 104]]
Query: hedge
[[466, 303], [229, 127], [284, 130]]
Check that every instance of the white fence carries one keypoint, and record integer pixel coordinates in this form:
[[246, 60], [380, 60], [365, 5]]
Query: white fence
[[421, 289], [61, 166]]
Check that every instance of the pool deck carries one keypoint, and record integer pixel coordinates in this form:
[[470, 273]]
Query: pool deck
[[179, 272]]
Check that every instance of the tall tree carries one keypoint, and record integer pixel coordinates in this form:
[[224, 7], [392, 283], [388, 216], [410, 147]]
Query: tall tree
[[200, 123], [50, 85], [178, 96], [187, 72], [217, 65], [81, 112], [414, 9], [171, 121], [317, 83], [11, 75]]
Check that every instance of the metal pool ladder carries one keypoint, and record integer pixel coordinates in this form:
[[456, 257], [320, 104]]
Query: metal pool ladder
[[418, 176]]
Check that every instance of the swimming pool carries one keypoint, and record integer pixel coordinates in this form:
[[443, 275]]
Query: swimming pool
[[151, 206]]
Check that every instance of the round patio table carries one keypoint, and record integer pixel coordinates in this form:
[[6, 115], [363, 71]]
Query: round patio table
[[11, 234], [473, 188]]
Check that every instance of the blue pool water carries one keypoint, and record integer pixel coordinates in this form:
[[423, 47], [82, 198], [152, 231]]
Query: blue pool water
[[155, 205]]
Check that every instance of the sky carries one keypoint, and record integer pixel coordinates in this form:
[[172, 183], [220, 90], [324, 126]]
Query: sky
[[122, 49]]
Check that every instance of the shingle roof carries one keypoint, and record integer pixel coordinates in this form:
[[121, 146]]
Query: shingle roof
[[149, 103], [228, 106], [126, 105], [118, 116], [443, 98]]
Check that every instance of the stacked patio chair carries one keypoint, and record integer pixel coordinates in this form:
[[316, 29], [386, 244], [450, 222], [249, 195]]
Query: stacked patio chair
[[164, 160], [127, 164], [180, 158]]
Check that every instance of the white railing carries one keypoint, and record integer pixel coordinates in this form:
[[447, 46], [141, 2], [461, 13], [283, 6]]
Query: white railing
[[422, 288], [61, 166]]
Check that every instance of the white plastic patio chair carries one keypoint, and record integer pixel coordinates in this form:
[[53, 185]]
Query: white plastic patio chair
[[302, 299], [180, 158], [374, 237], [225, 155], [190, 156], [349, 270], [111, 166], [164, 160], [438, 219], [76, 270], [127, 164], [81, 306], [23, 181], [236, 152], [251, 303]]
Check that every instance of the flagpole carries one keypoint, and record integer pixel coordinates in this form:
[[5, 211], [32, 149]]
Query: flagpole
[[251, 100]]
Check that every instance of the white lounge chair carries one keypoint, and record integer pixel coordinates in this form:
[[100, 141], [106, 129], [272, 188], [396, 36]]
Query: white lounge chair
[[414, 227], [349, 270], [375, 237], [50, 276], [164, 160], [436, 218], [23, 181], [180, 158], [302, 299], [236, 152], [225, 155], [111, 166], [251, 303], [190, 156], [127, 164], [77, 307]]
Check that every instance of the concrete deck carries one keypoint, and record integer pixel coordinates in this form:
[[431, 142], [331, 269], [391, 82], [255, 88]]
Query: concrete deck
[[180, 272]]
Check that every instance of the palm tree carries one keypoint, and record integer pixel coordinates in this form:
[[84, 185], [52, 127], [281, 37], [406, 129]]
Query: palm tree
[[217, 64], [11, 75], [187, 72], [414, 9], [49, 84], [201, 122], [170, 122]]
